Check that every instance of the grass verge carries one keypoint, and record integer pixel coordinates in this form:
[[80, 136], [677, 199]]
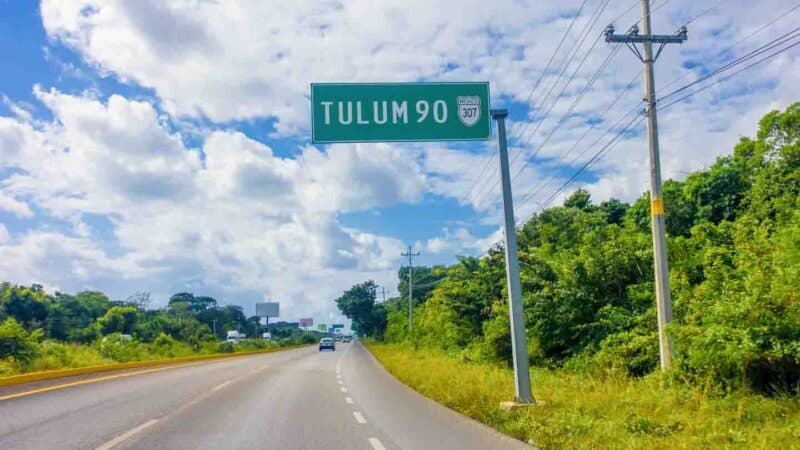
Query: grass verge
[[585, 412]]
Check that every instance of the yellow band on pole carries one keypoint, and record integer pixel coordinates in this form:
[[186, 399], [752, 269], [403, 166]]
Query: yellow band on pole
[[657, 206]]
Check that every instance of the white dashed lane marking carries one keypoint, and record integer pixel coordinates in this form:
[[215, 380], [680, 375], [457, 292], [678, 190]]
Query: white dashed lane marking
[[359, 417], [221, 385], [344, 389], [348, 400], [376, 444], [122, 437]]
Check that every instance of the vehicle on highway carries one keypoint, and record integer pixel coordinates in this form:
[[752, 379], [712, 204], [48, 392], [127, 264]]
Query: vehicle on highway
[[234, 337], [327, 343], [347, 339]]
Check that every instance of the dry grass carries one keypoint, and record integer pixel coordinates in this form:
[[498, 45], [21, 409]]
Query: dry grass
[[582, 412]]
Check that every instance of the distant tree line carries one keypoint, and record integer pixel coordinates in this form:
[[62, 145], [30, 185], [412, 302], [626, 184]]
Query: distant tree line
[[33, 322]]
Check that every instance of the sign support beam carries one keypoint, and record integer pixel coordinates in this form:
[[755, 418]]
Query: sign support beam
[[519, 345]]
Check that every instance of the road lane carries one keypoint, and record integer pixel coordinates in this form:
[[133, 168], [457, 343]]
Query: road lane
[[86, 416], [406, 418], [297, 399]]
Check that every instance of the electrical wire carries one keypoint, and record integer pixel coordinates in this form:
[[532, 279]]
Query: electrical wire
[[696, 91], [585, 34], [536, 84]]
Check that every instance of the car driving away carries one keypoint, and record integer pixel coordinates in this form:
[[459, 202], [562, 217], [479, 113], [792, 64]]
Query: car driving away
[[327, 344]]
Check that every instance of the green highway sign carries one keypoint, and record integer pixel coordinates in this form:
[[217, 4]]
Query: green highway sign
[[391, 112]]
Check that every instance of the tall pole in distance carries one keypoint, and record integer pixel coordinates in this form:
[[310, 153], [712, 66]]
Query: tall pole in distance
[[663, 300], [519, 346], [410, 287]]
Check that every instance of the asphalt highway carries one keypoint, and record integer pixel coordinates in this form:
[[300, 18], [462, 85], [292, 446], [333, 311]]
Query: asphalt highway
[[296, 399]]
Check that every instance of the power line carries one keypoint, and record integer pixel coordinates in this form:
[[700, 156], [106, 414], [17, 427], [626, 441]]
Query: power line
[[539, 187], [596, 157], [760, 50], [589, 84], [742, 59], [572, 107], [585, 34], [536, 84], [432, 283], [770, 56]]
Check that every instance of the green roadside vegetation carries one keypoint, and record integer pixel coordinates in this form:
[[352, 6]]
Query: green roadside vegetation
[[41, 331], [587, 274], [581, 411]]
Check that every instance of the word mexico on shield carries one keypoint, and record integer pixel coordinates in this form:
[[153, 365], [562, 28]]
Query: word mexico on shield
[[387, 112], [469, 110]]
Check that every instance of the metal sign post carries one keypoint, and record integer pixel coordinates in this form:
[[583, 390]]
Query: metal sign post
[[519, 345]]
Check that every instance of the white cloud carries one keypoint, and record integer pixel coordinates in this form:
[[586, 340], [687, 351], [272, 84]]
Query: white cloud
[[460, 242], [51, 259], [225, 213], [238, 219], [263, 69], [14, 206]]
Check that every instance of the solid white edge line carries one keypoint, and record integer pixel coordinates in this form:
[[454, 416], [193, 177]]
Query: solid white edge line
[[376, 443], [348, 400], [359, 418], [124, 436]]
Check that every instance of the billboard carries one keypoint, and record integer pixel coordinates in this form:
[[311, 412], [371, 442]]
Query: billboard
[[306, 322], [268, 309]]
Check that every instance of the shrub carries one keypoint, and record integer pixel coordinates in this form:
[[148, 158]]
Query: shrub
[[115, 347], [17, 343], [225, 347]]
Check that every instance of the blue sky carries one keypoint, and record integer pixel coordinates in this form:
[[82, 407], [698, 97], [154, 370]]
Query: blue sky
[[146, 146]]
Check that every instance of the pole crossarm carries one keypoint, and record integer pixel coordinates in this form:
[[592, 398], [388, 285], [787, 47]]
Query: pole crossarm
[[632, 37]]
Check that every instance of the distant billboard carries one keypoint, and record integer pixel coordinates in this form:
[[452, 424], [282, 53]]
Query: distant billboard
[[268, 309], [306, 322]]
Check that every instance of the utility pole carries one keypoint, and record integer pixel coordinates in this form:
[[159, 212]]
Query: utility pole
[[383, 288], [410, 256], [214, 322], [630, 39], [519, 346]]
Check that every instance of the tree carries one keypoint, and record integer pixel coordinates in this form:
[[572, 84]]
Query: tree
[[193, 304], [425, 279], [579, 199], [26, 305], [614, 210], [357, 304], [17, 343], [119, 319], [140, 299]]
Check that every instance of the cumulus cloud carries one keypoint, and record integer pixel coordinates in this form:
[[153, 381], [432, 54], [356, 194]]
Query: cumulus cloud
[[14, 206], [189, 200], [229, 214]]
